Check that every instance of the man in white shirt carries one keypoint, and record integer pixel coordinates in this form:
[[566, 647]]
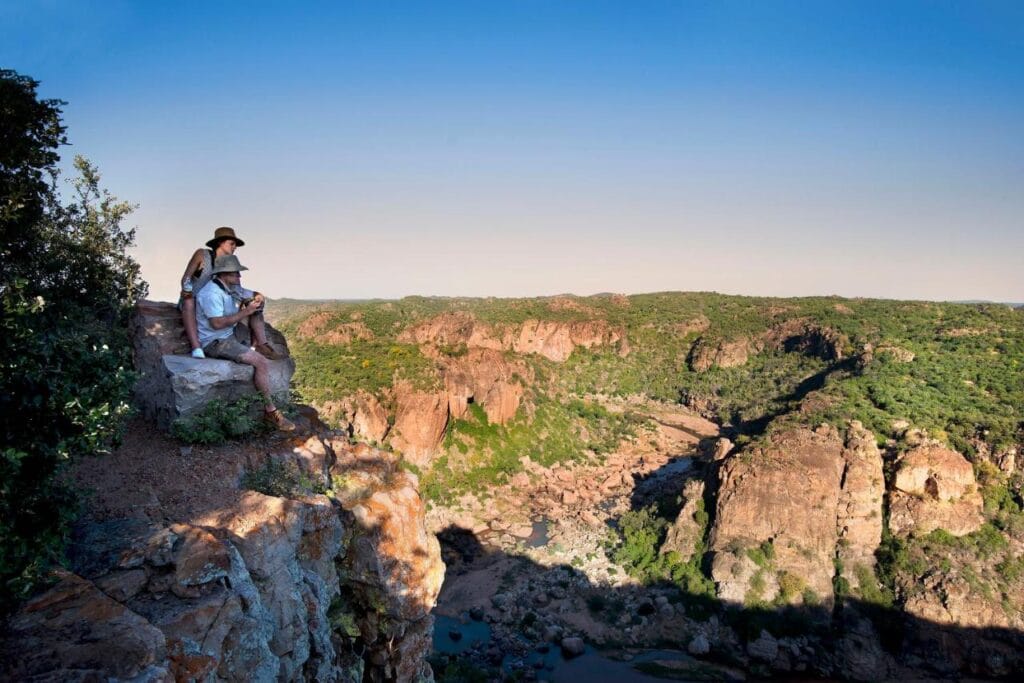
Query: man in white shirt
[[220, 306]]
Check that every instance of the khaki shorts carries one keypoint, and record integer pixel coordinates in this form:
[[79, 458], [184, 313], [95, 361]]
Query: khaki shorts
[[231, 348]]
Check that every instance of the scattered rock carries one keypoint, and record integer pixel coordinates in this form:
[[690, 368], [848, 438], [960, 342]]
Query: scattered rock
[[572, 647]]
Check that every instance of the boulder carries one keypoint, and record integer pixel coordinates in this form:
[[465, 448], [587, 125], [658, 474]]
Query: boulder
[[934, 489], [784, 492], [686, 531], [723, 354], [74, 631], [174, 385], [361, 415]]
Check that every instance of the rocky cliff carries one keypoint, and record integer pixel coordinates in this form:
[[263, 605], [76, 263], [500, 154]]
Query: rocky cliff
[[304, 558], [304, 586]]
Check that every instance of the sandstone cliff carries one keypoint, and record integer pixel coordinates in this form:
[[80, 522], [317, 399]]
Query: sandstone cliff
[[303, 587]]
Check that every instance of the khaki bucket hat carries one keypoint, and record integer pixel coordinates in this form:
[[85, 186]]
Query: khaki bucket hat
[[224, 233], [227, 264]]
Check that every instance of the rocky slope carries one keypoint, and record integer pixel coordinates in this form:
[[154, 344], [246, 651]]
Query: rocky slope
[[301, 587]]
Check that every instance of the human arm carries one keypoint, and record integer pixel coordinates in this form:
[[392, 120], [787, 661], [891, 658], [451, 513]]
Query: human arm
[[222, 321], [194, 264]]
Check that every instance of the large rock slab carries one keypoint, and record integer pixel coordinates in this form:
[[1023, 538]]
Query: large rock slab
[[174, 385], [785, 493], [934, 489]]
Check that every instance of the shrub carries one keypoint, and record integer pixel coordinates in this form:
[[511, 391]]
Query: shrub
[[280, 479], [221, 421], [67, 286]]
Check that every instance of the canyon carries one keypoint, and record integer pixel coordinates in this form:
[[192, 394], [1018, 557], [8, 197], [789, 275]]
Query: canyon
[[670, 485]]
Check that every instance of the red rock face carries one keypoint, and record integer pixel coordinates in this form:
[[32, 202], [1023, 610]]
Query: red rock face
[[554, 340], [934, 489], [488, 378], [420, 419], [244, 592], [786, 492], [319, 327]]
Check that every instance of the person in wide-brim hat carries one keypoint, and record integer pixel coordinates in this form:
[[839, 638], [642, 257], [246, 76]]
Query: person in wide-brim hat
[[230, 318], [224, 233], [198, 272]]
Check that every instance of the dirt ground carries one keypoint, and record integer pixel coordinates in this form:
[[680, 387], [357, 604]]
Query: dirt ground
[[153, 476]]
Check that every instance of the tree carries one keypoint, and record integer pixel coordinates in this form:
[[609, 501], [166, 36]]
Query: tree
[[67, 286]]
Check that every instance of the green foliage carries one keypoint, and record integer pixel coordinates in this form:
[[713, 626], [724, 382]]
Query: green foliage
[[281, 479], [870, 589], [67, 286], [763, 554], [480, 453], [640, 536], [330, 371], [221, 421], [790, 586]]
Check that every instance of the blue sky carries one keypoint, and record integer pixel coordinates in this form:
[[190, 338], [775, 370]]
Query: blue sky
[[522, 148]]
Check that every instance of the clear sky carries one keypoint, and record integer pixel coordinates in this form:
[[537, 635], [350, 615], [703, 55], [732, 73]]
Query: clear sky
[[519, 148]]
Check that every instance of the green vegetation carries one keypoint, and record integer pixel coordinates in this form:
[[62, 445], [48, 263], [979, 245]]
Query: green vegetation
[[221, 421], [950, 370], [281, 479], [330, 371], [67, 286], [481, 453], [636, 548]]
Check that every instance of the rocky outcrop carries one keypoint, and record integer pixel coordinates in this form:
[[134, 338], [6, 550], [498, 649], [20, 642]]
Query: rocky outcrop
[[555, 340], [488, 378], [174, 385], [859, 513], [305, 588], [782, 508], [420, 419], [707, 354], [452, 329], [362, 416], [934, 488], [322, 327], [688, 529], [792, 336]]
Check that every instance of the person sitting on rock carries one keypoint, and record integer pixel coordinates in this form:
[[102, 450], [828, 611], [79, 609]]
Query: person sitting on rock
[[220, 306], [197, 274]]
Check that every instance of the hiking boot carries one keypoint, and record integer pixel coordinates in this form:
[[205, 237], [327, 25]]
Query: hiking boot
[[268, 352], [279, 421]]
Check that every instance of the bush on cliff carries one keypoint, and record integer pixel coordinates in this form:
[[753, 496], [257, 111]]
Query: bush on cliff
[[66, 288]]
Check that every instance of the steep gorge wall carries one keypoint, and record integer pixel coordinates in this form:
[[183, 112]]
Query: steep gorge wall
[[307, 588]]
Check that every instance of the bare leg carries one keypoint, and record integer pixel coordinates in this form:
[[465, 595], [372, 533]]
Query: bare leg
[[258, 329], [260, 377], [188, 317]]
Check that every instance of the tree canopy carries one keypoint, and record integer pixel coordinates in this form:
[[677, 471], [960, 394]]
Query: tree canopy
[[67, 285]]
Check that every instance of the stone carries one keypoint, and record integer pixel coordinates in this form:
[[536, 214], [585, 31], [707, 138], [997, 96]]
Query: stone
[[859, 513], [764, 648], [699, 645], [730, 353], [934, 488], [572, 647], [685, 532], [785, 492], [75, 632], [174, 385], [361, 415]]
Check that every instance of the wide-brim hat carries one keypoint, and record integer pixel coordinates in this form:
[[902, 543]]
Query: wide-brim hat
[[228, 263], [224, 233]]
